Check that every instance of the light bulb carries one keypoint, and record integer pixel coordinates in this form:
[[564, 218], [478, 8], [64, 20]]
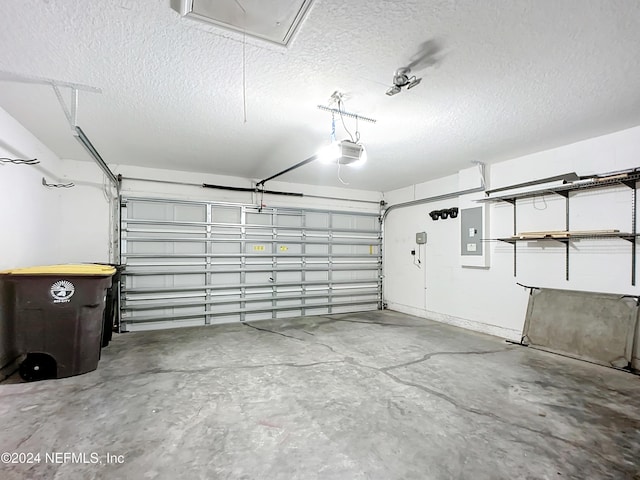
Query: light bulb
[[329, 153]]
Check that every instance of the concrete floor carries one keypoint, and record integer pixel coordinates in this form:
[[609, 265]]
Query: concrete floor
[[377, 395]]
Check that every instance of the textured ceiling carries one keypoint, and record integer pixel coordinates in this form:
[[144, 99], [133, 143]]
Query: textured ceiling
[[514, 77]]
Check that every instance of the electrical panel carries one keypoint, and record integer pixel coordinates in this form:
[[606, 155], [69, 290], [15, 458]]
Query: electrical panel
[[421, 238], [471, 235]]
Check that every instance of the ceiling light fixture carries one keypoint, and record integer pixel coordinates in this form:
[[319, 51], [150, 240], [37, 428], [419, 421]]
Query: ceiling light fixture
[[345, 152], [413, 83], [393, 90], [401, 79]]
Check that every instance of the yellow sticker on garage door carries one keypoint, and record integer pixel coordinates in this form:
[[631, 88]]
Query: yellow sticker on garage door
[[283, 248], [258, 248]]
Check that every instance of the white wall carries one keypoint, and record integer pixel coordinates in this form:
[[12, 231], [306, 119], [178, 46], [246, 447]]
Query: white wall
[[488, 299], [29, 212]]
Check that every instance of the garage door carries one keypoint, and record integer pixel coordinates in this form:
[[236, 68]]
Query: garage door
[[200, 263]]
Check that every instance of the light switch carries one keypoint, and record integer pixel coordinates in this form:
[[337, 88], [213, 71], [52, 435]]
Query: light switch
[[472, 232]]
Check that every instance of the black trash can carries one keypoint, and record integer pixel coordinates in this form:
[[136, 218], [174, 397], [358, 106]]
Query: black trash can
[[57, 316]]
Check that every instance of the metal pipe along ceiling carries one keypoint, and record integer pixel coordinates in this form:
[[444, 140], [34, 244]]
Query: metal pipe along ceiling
[[251, 190], [435, 198]]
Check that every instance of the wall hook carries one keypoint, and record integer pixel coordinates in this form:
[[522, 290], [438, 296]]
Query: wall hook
[[57, 185], [19, 161]]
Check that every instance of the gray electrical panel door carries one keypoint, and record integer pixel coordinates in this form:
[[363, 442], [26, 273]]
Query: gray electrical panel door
[[471, 231], [199, 263]]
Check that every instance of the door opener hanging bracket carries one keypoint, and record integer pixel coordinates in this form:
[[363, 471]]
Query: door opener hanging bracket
[[71, 113]]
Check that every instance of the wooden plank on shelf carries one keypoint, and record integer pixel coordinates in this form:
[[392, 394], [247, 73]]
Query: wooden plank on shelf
[[611, 177]]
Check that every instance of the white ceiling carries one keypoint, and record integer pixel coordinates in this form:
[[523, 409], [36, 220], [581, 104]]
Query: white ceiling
[[514, 77]]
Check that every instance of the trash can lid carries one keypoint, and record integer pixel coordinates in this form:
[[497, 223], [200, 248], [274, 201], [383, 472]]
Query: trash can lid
[[71, 269]]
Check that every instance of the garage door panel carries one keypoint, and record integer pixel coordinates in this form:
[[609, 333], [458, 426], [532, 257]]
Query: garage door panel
[[289, 276], [226, 263], [226, 214], [352, 222], [260, 235], [259, 218], [226, 247], [289, 248], [255, 247], [150, 247], [317, 249], [221, 319], [189, 213], [207, 263], [315, 276], [251, 317], [169, 234], [162, 325], [166, 249], [347, 309], [290, 219], [289, 262], [317, 311], [225, 279], [288, 313], [157, 281], [153, 281], [317, 300], [150, 211], [226, 231], [187, 280], [224, 307], [362, 250], [190, 248], [258, 278], [344, 275], [317, 220]]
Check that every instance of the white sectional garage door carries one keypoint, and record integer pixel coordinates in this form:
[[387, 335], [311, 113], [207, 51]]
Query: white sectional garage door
[[200, 263]]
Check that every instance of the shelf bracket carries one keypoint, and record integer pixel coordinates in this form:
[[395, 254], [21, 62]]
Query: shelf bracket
[[566, 256], [512, 201], [634, 208]]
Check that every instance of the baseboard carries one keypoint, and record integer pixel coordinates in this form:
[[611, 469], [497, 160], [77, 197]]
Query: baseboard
[[467, 324]]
